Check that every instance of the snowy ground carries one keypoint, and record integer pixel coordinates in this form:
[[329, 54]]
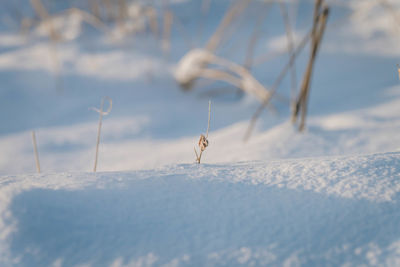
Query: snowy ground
[[319, 211], [328, 196]]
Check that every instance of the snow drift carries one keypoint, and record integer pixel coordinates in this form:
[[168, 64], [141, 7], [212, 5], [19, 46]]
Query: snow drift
[[321, 211]]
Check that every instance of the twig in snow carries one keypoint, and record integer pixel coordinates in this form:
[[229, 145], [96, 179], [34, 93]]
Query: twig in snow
[[276, 85], [101, 114], [320, 18], [203, 141], [36, 152]]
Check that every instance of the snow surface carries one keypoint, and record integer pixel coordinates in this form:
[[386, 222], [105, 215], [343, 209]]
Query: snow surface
[[317, 211], [325, 197]]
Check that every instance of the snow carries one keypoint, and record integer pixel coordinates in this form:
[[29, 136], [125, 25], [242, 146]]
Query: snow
[[315, 211], [327, 196]]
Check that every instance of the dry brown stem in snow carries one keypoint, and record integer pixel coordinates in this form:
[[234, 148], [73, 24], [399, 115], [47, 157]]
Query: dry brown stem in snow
[[203, 141], [300, 106]]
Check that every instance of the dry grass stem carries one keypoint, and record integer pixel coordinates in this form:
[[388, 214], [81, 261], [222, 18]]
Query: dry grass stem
[[201, 58], [36, 152], [203, 141], [248, 62], [320, 19], [101, 114], [151, 14], [94, 6], [275, 86], [234, 11], [166, 40], [290, 40]]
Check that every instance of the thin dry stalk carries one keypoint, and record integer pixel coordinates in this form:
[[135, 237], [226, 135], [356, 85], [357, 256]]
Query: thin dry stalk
[[235, 10], [187, 81], [248, 62], [122, 9], [109, 10], [203, 141], [261, 59], [209, 118], [275, 86], [101, 114], [290, 40], [36, 152], [182, 30], [320, 19], [57, 66], [151, 14], [94, 6], [166, 40], [205, 8]]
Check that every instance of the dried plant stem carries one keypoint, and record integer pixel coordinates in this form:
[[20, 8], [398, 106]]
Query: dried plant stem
[[320, 19], [166, 40], [290, 40], [205, 7], [94, 6], [108, 9], [235, 10], [36, 152], [248, 62], [276, 85], [203, 142], [98, 136], [151, 14], [101, 114], [183, 32], [122, 10], [209, 117]]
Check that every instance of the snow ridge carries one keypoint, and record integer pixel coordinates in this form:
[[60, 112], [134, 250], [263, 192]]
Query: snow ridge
[[286, 212]]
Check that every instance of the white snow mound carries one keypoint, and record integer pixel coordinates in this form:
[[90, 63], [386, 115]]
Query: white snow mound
[[317, 211]]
